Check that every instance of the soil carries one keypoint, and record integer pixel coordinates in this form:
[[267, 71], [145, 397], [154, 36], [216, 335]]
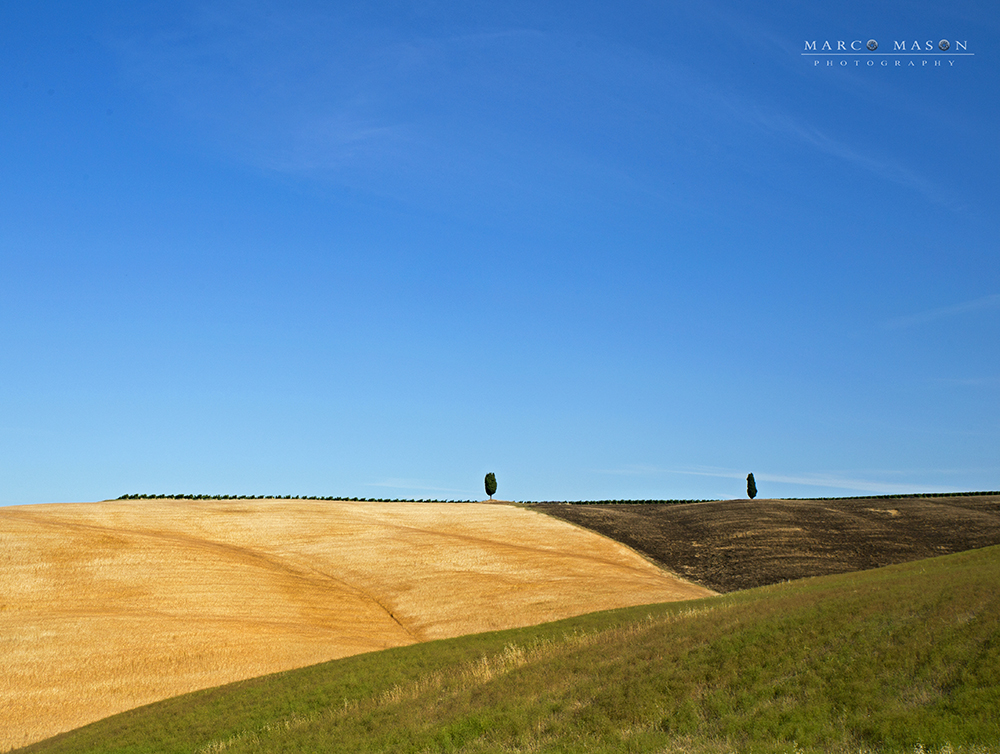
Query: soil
[[729, 545]]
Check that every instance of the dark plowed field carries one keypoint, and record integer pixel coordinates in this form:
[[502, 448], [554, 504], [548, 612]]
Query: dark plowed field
[[739, 544]]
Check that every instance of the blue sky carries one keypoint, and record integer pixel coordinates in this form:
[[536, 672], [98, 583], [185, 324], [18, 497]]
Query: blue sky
[[604, 252]]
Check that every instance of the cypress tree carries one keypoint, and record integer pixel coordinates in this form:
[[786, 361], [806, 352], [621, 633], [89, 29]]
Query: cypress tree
[[491, 484], [751, 487]]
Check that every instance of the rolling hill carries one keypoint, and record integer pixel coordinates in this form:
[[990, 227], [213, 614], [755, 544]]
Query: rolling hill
[[900, 659], [728, 545], [108, 606]]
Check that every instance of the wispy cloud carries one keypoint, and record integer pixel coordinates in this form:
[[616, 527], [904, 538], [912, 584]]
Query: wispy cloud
[[413, 484], [831, 481], [789, 127], [944, 312], [969, 381], [293, 90], [858, 485]]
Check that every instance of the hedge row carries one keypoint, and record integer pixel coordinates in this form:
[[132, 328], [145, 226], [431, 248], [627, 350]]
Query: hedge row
[[614, 502], [533, 502], [284, 497], [900, 496], [681, 502]]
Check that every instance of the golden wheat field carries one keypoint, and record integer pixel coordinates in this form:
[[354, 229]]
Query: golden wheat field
[[108, 606]]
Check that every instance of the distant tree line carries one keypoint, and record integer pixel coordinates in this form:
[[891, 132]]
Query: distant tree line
[[899, 496], [612, 502], [715, 500], [286, 497], [532, 502]]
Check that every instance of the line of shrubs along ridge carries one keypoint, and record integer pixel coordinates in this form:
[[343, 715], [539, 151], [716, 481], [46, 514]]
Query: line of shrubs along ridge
[[532, 502], [396, 500], [900, 496], [287, 497], [716, 500]]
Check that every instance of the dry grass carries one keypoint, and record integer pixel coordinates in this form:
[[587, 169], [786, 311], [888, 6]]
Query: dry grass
[[108, 606]]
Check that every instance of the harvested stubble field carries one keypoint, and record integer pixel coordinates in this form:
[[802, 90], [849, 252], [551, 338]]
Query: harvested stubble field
[[108, 606], [728, 545], [896, 660]]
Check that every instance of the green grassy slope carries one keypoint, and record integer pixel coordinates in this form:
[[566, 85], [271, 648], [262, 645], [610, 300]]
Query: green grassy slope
[[892, 659]]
